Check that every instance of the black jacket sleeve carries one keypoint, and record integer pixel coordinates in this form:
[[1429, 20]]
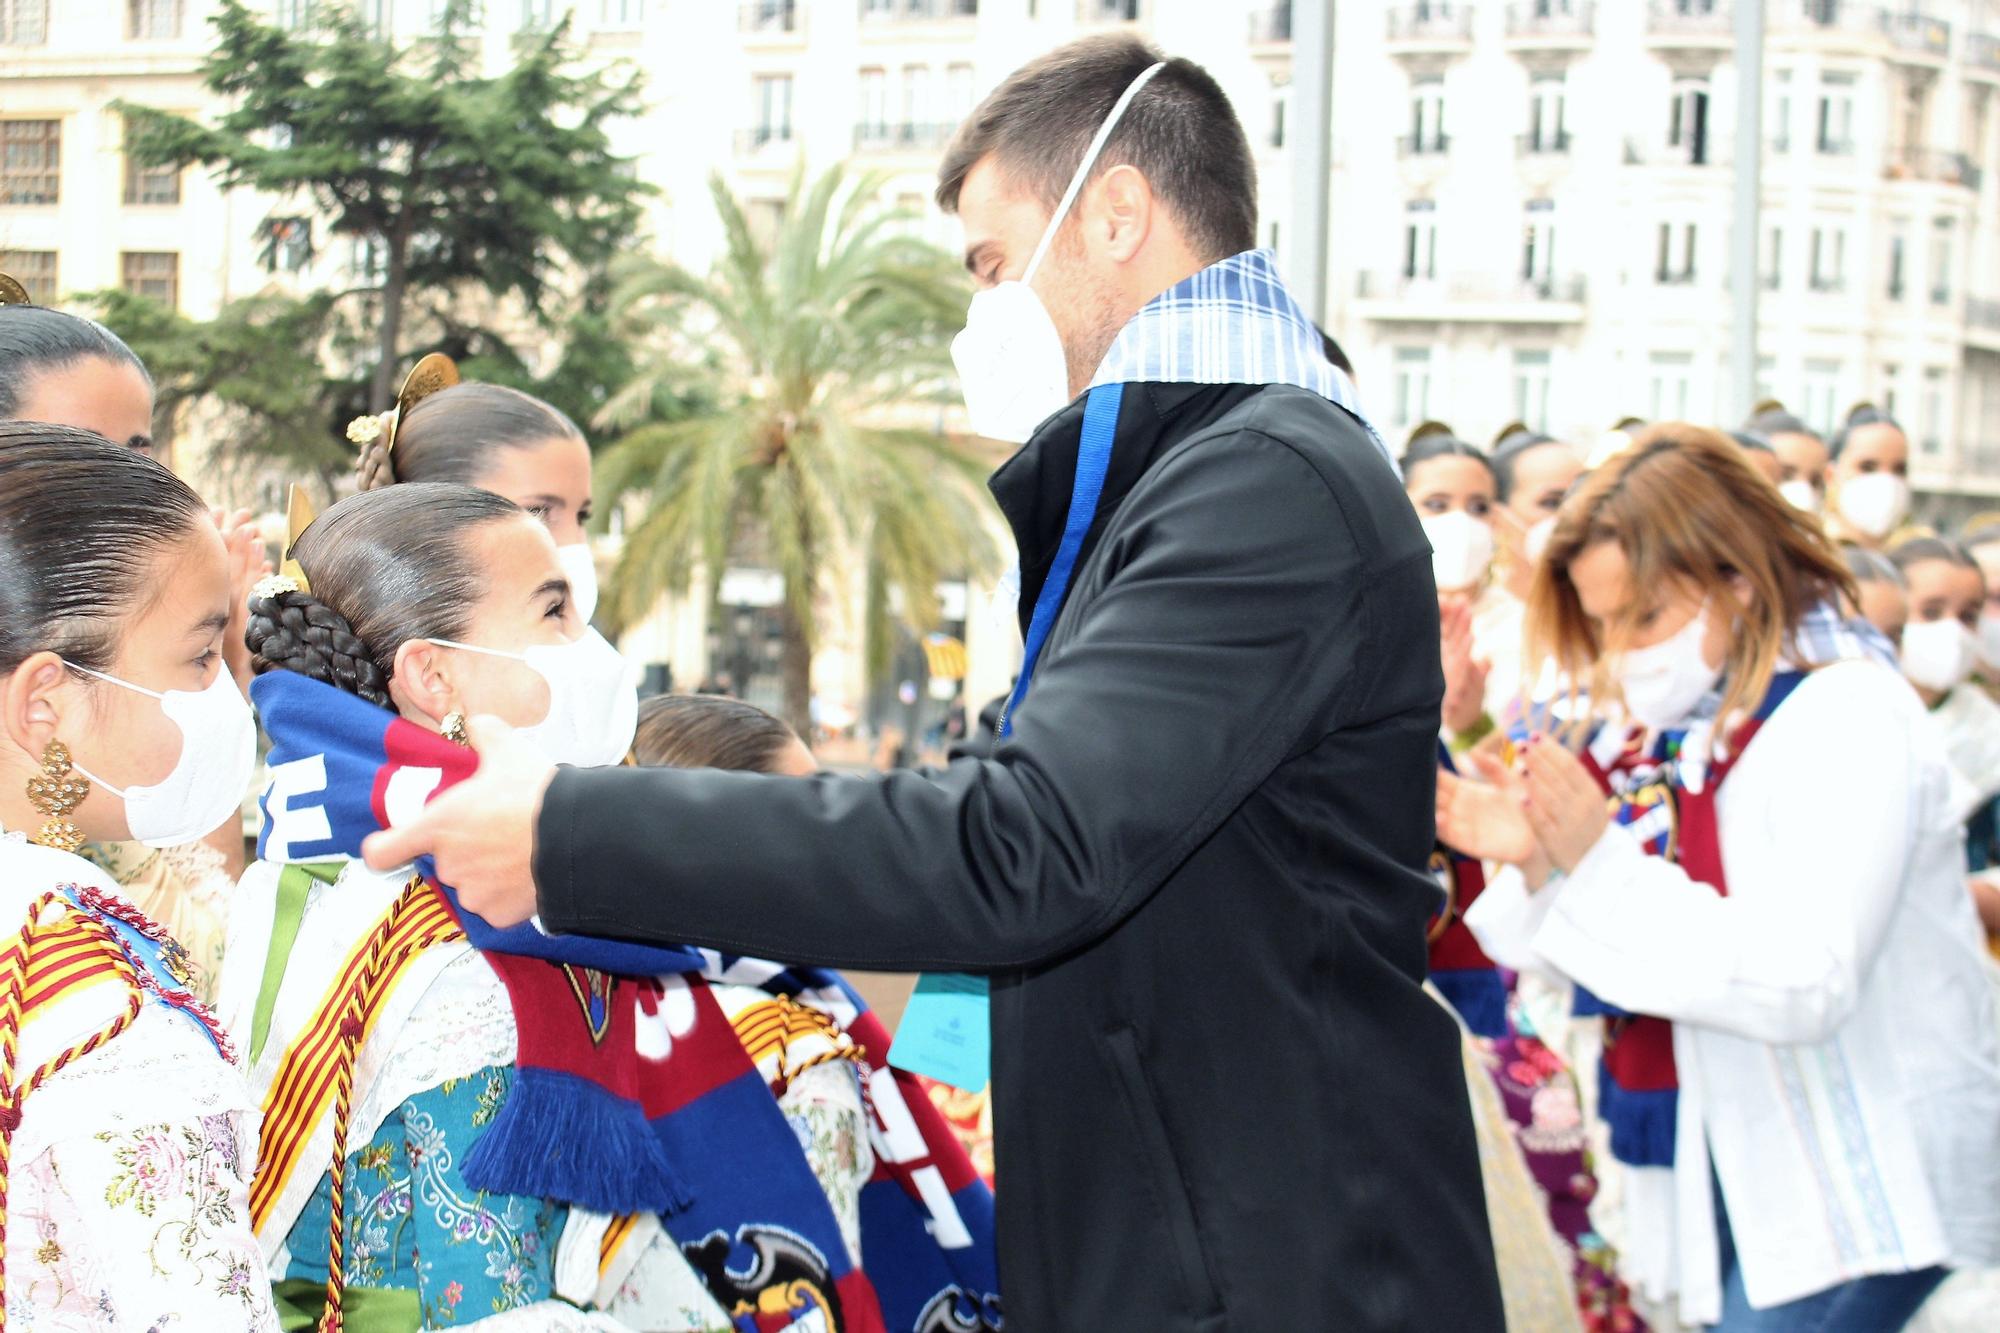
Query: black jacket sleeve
[[1230, 622]]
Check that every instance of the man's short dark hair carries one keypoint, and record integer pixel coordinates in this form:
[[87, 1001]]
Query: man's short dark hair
[[1180, 132]]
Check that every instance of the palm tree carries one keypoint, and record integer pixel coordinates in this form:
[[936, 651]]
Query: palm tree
[[818, 347]]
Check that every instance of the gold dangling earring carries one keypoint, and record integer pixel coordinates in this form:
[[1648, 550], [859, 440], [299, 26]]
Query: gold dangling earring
[[453, 729], [54, 792]]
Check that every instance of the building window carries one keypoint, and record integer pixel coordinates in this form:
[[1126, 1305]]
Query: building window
[[1899, 245], [1687, 121], [1538, 245], [1829, 259], [1420, 240], [1892, 377], [537, 14], [24, 22], [874, 105], [621, 13], [960, 92], [1675, 267], [34, 270], [1767, 378], [287, 244], [1413, 385], [1774, 258], [1673, 385], [1781, 113], [1941, 263], [916, 98], [1112, 11], [1822, 392], [1546, 131], [378, 17], [1934, 425], [1427, 117], [292, 15], [154, 20], [151, 185], [1836, 114], [1281, 102], [772, 101], [30, 161], [1531, 388], [152, 273]]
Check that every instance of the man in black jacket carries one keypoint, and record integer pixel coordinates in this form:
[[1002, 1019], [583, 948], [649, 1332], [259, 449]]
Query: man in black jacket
[[1193, 866]]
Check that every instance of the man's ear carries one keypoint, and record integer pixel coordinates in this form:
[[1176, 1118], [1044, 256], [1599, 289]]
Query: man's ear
[[37, 696], [423, 680], [1125, 213]]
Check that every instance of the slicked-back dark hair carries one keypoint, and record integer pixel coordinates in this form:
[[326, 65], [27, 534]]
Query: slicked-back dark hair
[[1922, 550], [708, 731], [1775, 420], [35, 340], [1442, 444], [453, 435], [1864, 414], [80, 519], [1180, 132], [387, 567]]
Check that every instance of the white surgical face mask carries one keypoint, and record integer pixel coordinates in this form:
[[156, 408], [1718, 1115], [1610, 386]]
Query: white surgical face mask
[[1800, 494], [1662, 684], [1989, 641], [1461, 549], [580, 568], [1010, 359], [1875, 503], [1536, 543], [208, 781], [593, 699], [1938, 654]]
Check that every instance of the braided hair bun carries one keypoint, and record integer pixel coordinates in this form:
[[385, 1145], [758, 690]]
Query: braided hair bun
[[295, 631], [375, 468]]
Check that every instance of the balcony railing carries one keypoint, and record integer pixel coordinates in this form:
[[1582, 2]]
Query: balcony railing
[[917, 11], [1483, 289], [1916, 33], [1431, 24], [1426, 145], [1931, 164], [1541, 20], [1542, 145], [1272, 26], [1110, 11], [768, 16], [906, 136], [1679, 19], [1982, 52], [762, 136]]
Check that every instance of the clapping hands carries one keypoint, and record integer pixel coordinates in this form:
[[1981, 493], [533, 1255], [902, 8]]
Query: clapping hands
[[1547, 812]]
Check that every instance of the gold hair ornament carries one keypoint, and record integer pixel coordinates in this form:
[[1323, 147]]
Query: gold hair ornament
[[12, 292], [431, 374]]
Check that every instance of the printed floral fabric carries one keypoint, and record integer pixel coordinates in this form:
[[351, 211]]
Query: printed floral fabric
[[970, 1115], [414, 1224], [143, 1227], [823, 1107]]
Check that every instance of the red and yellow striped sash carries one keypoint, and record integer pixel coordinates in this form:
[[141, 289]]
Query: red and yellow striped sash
[[303, 1089], [74, 952], [772, 1029]]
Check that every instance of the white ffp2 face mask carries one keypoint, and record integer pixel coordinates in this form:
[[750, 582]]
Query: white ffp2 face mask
[[580, 568], [208, 781], [1011, 364], [1938, 654], [1662, 684], [1800, 494], [1875, 503], [593, 699], [1461, 549]]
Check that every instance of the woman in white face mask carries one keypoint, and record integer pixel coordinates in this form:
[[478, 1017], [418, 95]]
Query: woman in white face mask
[[1981, 537], [500, 440], [126, 1132], [1871, 486], [1785, 957], [1453, 488], [1532, 473]]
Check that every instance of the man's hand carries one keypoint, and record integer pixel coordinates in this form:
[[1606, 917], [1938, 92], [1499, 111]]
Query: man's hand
[[481, 833]]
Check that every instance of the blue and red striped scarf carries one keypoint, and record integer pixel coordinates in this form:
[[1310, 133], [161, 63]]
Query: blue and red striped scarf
[[1674, 818], [602, 1117]]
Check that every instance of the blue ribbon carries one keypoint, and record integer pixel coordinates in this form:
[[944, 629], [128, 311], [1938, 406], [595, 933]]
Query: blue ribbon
[[1093, 461]]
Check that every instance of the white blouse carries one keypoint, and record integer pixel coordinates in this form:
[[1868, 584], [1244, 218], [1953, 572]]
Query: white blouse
[[1836, 1039], [129, 1175]]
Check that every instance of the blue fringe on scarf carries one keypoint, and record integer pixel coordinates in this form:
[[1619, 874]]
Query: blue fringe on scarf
[[1478, 995], [529, 1148], [1642, 1124]]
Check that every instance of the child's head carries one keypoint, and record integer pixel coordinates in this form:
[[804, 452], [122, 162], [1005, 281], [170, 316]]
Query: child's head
[[436, 599], [109, 567], [709, 731]]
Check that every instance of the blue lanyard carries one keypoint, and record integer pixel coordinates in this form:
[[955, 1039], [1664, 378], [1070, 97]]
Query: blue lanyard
[[1093, 460]]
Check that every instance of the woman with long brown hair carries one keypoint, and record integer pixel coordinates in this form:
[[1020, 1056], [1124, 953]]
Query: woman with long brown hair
[[1801, 1065]]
